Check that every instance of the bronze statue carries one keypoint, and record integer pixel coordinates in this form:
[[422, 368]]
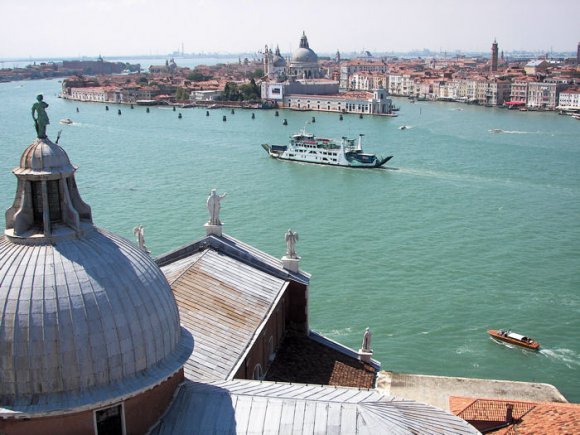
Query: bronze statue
[[41, 118]]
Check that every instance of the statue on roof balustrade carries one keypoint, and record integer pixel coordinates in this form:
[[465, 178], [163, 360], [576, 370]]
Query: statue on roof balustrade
[[291, 238], [214, 206]]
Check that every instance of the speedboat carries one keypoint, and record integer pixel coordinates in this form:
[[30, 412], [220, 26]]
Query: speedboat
[[496, 130], [514, 338], [66, 121], [307, 148]]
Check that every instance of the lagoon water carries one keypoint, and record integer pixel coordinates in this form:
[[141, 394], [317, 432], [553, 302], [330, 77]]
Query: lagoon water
[[466, 230]]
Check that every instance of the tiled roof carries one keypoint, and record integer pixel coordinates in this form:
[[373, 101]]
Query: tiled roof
[[527, 417], [303, 360]]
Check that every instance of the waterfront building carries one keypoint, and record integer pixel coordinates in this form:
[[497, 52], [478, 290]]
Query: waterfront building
[[94, 67], [401, 85], [367, 81], [198, 95], [570, 99], [466, 90], [361, 65], [371, 103], [492, 92], [519, 93], [543, 95]]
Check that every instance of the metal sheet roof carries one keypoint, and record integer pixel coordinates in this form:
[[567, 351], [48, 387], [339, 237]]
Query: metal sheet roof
[[252, 407], [222, 302]]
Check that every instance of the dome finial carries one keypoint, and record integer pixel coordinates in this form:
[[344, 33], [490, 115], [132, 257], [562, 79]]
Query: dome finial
[[304, 40]]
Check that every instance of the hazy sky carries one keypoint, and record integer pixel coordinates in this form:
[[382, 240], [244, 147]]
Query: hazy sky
[[59, 28]]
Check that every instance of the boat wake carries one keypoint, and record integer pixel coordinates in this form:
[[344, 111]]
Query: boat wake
[[499, 130], [567, 356], [335, 332]]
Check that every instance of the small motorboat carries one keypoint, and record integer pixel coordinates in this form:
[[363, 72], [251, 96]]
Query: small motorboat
[[495, 130], [66, 121], [514, 338], [403, 127]]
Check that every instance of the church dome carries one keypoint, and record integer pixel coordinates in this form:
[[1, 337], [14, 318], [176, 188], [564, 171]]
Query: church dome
[[278, 61], [304, 54], [94, 313], [88, 316]]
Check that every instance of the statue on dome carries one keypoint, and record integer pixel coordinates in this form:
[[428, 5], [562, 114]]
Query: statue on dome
[[214, 206], [41, 118], [291, 237]]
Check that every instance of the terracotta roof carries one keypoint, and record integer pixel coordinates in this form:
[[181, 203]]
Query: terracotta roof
[[302, 360], [491, 416]]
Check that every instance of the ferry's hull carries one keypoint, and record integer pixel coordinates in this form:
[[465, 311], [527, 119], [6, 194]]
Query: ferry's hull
[[280, 152]]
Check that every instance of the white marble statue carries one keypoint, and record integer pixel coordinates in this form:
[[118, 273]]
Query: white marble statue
[[291, 237], [213, 205], [366, 343], [139, 233]]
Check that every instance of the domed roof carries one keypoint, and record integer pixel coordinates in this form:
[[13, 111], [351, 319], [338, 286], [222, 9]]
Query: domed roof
[[84, 318], [44, 157], [304, 54], [278, 60], [87, 316]]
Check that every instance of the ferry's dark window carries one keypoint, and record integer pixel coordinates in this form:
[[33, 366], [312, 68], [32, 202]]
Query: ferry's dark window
[[109, 421], [275, 91]]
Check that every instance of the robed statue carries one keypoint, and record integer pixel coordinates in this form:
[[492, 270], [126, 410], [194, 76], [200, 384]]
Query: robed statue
[[214, 206], [40, 117], [366, 343], [139, 233], [291, 237]]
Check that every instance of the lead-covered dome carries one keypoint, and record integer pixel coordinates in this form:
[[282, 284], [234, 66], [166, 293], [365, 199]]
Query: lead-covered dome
[[82, 314], [44, 157], [87, 316], [304, 53]]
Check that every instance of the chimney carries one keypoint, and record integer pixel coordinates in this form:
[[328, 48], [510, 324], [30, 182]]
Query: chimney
[[509, 418]]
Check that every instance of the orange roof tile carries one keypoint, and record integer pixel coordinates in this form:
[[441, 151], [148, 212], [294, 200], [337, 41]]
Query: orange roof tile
[[527, 417]]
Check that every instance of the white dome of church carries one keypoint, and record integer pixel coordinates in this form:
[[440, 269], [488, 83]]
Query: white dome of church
[[304, 54], [87, 315]]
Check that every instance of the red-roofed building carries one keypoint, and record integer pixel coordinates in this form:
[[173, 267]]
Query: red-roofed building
[[517, 417]]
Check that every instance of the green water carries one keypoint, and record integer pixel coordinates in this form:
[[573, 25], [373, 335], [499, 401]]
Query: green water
[[466, 230]]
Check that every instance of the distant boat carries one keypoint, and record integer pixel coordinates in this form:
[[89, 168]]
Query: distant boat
[[514, 338], [66, 121], [496, 130], [403, 127], [307, 148]]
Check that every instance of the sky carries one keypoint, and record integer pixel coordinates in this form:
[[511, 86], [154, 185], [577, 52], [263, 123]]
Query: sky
[[73, 28]]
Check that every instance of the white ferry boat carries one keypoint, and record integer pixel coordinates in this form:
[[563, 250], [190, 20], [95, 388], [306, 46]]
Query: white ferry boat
[[305, 147]]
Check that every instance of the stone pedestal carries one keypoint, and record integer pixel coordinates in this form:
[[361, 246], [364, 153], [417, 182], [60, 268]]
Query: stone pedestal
[[365, 355], [291, 264], [216, 230]]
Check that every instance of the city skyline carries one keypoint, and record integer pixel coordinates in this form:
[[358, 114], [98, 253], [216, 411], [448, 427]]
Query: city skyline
[[66, 28]]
